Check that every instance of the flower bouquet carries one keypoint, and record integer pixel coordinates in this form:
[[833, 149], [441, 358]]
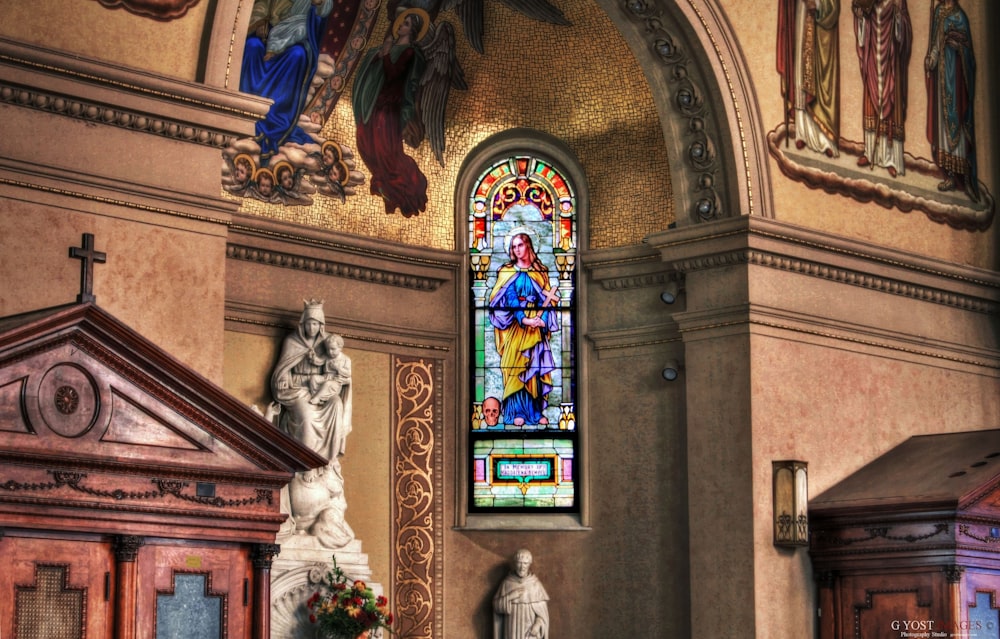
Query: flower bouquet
[[347, 611]]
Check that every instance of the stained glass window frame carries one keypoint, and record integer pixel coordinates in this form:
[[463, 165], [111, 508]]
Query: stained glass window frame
[[533, 467]]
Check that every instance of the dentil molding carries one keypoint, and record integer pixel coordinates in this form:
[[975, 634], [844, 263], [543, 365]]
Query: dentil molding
[[778, 245]]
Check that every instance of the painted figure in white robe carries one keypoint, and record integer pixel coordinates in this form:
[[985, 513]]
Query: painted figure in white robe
[[884, 40]]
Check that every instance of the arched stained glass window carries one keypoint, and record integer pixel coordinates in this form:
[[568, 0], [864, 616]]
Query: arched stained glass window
[[523, 430]]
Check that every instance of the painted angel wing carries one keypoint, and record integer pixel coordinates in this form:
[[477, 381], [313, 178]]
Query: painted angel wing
[[470, 12], [443, 73]]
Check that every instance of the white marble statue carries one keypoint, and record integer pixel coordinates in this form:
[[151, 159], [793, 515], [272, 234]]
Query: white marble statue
[[311, 386], [520, 606]]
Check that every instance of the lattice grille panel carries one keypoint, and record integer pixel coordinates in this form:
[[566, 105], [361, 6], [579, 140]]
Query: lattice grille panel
[[49, 610]]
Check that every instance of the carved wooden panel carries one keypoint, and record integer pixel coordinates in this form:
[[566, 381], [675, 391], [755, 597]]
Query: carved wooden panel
[[100, 431], [874, 605], [227, 583], [55, 589], [77, 398], [905, 545]]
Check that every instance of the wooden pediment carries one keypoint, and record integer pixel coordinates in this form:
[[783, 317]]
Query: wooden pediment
[[95, 417], [932, 499]]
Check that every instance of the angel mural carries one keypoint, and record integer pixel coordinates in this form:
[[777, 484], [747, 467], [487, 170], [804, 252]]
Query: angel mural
[[302, 59], [401, 90]]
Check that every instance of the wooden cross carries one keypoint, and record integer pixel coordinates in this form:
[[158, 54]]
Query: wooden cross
[[551, 296], [88, 256]]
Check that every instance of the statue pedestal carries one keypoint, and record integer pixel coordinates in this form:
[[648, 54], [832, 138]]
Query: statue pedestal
[[298, 572]]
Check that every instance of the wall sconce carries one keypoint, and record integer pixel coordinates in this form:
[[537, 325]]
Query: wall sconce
[[790, 481], [671, 370], [670, 293]]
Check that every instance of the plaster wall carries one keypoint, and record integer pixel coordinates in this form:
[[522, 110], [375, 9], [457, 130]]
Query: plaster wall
[[842, 372], [797, 345], [181, 313], [89, 150], [90, 29], [837, 407]]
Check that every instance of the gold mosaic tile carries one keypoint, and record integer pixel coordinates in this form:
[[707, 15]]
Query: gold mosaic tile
[[579, 83]]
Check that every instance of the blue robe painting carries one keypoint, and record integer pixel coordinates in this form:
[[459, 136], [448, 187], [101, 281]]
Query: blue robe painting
[[279, 61]]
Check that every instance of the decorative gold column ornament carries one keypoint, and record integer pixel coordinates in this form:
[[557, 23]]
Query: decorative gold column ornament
[[417, 565], [480, 266]]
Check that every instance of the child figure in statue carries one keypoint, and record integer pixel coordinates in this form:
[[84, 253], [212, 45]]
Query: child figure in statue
[[336, 371]]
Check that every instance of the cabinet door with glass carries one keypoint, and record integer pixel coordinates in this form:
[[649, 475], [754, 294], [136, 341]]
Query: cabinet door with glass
[[193, 591]]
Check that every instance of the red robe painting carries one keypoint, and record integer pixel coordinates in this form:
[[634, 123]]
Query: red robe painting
[[384, 103], [884, 39]]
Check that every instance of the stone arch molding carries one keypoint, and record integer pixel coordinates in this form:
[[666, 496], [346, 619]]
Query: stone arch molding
[[711, 122]]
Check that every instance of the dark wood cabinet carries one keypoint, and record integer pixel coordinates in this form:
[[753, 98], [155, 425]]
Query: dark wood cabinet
[[137, 499], [911, 542], [56, 588]]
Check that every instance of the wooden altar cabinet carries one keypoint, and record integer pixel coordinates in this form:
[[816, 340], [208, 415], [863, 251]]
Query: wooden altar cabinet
[[137, 499], [909, 545]]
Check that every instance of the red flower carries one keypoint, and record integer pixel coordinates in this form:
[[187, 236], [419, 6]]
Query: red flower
[[312, 618]]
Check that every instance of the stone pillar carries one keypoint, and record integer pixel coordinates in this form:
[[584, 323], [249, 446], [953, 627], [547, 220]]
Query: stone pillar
[[717, 345]]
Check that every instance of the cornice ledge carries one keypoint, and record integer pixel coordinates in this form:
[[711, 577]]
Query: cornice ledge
[[766, 242], [274, 322], [607, 342], [84, 88], [106, 192], [858, 337], [287, 245], [623, 268], [733, 319], [757, 318]]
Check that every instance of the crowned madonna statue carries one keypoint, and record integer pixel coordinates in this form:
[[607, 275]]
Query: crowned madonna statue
[[311, 386]]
